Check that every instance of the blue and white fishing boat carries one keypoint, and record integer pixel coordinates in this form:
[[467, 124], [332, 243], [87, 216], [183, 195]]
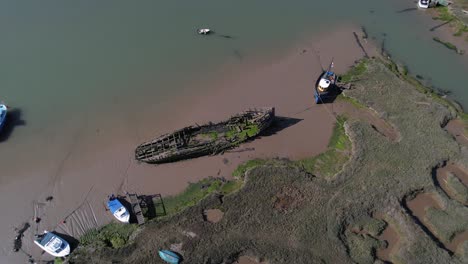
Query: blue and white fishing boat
[[118, 210], [53, 244], [3, 114], [324, 85], [169, 256]]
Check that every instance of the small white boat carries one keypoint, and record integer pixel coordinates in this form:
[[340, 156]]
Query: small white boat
[[53, 244], [424, 3], [204, 31], [3, 113], [118, 210]]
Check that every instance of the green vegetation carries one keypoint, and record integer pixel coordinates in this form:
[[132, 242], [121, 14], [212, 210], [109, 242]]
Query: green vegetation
[[212, 135], [58, 260], [370, 225], [446, 224], [314, 229], [448, 45], [392, 66], [457, 188], [113, 235], [330, 162], [355, 72], [231, 186], [362, 247], [191, 195], [464, 118], [444, 14], [246, 132], [241, 169], [351, 100]]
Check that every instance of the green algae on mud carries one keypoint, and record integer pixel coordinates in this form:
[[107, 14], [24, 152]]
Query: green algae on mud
[[446, 15], [314, 229], [330, 162]]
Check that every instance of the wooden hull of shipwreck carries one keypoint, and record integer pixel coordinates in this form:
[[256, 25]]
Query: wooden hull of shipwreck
[[209, 139]]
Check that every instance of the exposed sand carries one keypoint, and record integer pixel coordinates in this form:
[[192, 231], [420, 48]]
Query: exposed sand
[[96, 157], [213, 215]]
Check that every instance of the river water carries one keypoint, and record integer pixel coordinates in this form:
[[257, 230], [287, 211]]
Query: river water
[[63, 62]]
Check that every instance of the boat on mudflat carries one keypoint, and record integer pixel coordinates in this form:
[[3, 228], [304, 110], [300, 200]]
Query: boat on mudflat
[[53, 244], [169, 256], [118, 210], [208, 139], [325, 85], [3, 114]]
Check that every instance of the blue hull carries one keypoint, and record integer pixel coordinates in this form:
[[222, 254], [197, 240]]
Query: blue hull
[[169, 256], [3, 114]]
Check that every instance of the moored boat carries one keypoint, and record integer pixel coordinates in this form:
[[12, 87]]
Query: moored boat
[[169, 256], [423, 3], [3, 114], [204, 31], [325, 85], [209, 139], [53, 244], [118, 210]]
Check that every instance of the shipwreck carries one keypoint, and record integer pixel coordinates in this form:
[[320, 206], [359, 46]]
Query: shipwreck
[[209, 139]]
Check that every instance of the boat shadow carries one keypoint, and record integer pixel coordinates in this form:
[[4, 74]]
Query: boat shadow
[[279, 123], [73, 242], [153, 206], [13, 119], [334, 93]]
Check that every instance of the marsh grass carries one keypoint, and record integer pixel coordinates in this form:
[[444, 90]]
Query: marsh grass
[[446, 224], [459, 190], [355, 72], [241, 169], [114, 235], [351, 100], [330, 162], [191, 195]]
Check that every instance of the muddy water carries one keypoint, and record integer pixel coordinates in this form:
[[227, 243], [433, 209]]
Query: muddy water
[[442, 177], [391, 236], [213, 215]]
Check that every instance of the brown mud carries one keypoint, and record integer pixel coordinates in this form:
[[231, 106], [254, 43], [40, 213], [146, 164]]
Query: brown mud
[[213, 215]]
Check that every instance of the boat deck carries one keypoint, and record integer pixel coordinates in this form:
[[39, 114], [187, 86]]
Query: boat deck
[[136, 209]]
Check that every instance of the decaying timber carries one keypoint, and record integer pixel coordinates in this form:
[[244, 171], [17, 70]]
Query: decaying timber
[[209, 139]]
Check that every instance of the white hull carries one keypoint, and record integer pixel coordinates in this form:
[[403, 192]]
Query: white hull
[[52, 244], [124, 219]]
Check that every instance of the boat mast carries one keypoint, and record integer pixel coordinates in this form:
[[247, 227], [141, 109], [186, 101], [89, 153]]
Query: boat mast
[[331, 65]]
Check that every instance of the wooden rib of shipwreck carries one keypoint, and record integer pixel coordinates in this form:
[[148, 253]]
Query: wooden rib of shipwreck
[[210, 139]]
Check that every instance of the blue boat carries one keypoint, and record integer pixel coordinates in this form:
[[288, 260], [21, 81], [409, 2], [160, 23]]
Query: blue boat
[[169, 256], [118, 210], [325, 85], [3, 114]]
